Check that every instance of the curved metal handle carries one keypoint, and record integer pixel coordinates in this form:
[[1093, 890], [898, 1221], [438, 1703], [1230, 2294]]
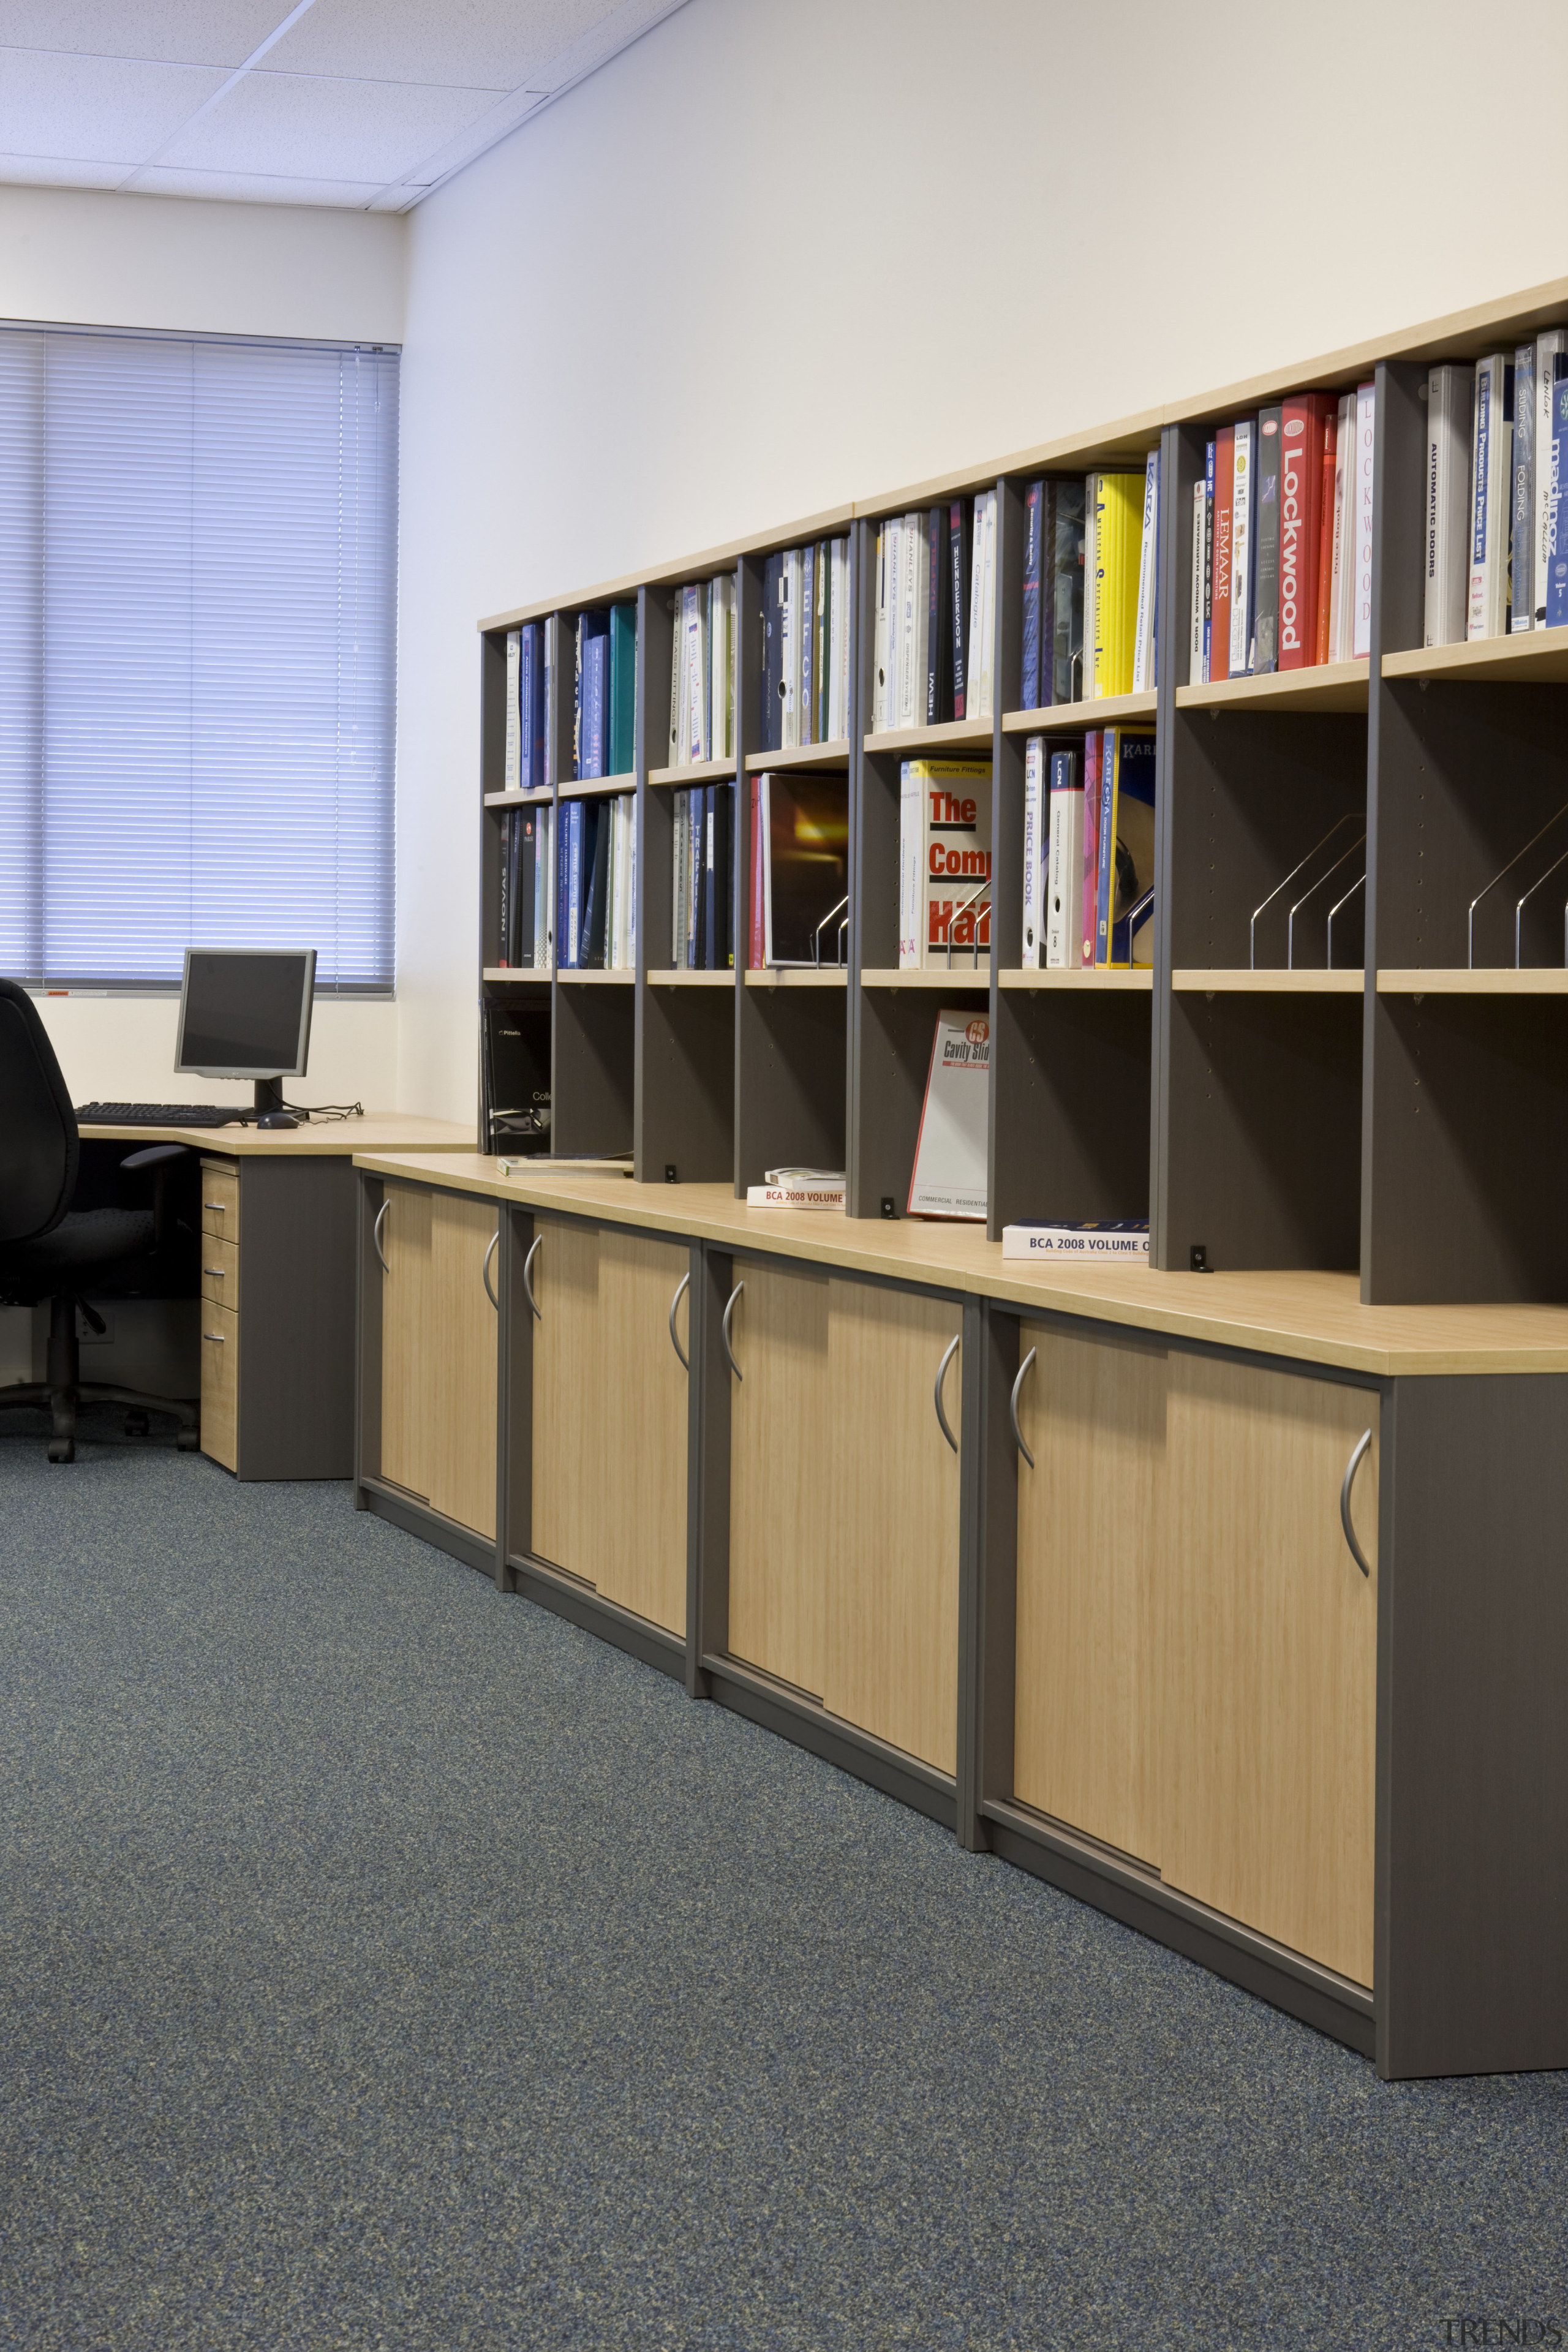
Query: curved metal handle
[[724, 1327], [527, 1269], [1013, 1410], [375, 1232], [940, 1376], [682, 1285], [1351, 1467], [216, 1337], [485, 1271]]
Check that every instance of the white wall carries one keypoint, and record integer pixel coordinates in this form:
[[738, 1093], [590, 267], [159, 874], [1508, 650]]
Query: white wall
[[82, 258], [782, 253]]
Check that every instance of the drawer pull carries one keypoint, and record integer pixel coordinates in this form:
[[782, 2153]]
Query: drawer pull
[[680, 1285], [952, 1350], [526, 1286], [485, 1271], [724, 1327], [1351, 1467], [375, 1232], [215, 1272], [1013, 1410], [215, 1338], [219, 1207]]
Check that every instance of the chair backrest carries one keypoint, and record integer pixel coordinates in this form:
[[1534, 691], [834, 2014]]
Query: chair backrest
[[38, 1141]]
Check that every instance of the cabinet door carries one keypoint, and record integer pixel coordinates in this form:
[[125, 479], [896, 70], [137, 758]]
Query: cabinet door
[[781, 1433], [567, 1372], [1090, 1539], [637, 1457], [405, 1374], [890, 1664], [1269, 1656], [462, 1344]]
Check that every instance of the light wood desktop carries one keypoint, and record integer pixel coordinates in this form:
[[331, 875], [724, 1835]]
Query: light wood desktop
[[277, 1263]]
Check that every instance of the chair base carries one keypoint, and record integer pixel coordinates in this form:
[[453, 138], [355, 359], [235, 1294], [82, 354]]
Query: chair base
[[63, 1402]]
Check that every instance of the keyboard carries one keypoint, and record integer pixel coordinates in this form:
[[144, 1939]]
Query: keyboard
[[157, 1114]]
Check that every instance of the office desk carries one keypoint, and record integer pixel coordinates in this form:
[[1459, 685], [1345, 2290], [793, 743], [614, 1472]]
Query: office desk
[[278, 1265]]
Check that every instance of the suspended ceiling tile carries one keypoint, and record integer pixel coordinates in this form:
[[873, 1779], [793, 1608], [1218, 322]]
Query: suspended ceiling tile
[[95, 107], [463, 43], [170, 32], [256, 188], [322, 129], [61, 171]]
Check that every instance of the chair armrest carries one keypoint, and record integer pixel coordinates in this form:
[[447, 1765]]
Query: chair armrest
[[153, 1155]]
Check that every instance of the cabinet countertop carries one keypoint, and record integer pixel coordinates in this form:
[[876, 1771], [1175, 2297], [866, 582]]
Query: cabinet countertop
[[1311, 1317]]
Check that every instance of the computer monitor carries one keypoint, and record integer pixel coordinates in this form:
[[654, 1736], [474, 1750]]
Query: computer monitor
[[246, 1013]]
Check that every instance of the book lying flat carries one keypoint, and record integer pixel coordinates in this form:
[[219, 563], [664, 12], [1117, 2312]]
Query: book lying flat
[[1097, 1241]]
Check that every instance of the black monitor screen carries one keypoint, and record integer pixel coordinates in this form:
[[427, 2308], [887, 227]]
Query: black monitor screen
[[246, 1016]]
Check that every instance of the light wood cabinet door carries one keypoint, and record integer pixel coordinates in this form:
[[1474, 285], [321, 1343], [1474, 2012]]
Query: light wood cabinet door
[[1268, 1655], [639, 1483], [1092, 1524], [566, 1395], [781, 1443], [610, 1409], [890, 1664], [405, 1384], [461, 1350]]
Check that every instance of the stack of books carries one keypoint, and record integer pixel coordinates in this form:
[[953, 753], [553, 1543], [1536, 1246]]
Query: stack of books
[[806, 646], [528, 653], [1495, 559], [702, 918], [526, 929], [596, 892], [605, 709], [1281, 573], [935, 615], [702, 673], [1088, 853]]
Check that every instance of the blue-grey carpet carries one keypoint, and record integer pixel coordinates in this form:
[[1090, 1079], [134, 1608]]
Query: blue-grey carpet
[[388, 1964]]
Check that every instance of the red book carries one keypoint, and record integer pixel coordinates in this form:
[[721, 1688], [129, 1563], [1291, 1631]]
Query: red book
[[759, 950], [1301, 524], [1224, 487], [1091, 750], [1326, 527]]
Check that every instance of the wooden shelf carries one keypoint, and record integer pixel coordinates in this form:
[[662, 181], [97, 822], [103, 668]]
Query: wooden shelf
[[1547, 980], [522, 979], [542, 796], [590, 788], [1110, 710], [799, 976], [1541, 658], [1138, 977], [955, 735], [962, 979], [1329, 686], [670, 978], [804, 755], [620, 978], [702, 771], [1348, 982]]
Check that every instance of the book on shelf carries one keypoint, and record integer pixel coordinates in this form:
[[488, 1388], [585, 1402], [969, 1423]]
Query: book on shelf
[[800, 866], [949, 1176], [944, 861], [798, 1188], [1521, 477], [1064, 885], [1146, 626], [591, 707], [1555, 615], [1087, 896], [1094, 1241], [512, 745], [545, 890], [621, 714], [1036, 859], [1221, 581], [1061, 591], [521, 833], [1307, 428], [619, 816], [805, 647], [1551, 361], [514, 1074], [1124, 920], [595, 828], [1265, 649], [1029, 662], [1365, 518], [524, 763], [1451, 397], [1244, 435], [959, 546], [1492, 451], [702, 879]]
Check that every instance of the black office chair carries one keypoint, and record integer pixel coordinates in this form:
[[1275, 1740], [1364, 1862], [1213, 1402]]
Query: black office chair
[[47, 1250]]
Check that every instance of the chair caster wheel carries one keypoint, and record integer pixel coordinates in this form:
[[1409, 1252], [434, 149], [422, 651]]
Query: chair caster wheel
[[136, 1424], [189, 1441], [62, 1449]]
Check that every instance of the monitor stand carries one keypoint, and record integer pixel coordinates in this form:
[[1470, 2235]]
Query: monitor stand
[[269, 1111]]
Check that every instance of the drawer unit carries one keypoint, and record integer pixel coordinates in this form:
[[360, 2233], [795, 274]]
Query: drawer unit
[[220, 1384]]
